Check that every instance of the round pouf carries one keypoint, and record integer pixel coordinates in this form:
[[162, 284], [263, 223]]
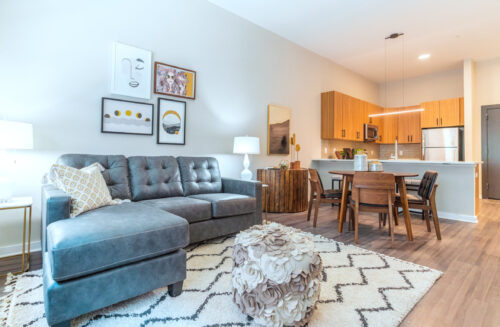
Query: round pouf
[[276, 275]]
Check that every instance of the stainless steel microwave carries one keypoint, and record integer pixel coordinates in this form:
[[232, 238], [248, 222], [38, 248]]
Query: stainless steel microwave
[[371, 133]]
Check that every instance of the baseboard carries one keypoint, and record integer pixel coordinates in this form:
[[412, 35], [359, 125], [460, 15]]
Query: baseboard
[[10, 250], [455, 216], [449, 215]]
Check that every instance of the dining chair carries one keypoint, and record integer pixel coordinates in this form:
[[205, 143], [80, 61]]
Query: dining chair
[[373, 192], [320, 195], [425, 200]]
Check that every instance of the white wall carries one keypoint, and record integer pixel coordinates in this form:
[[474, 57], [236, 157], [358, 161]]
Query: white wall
[[55, 67], [442, 85]]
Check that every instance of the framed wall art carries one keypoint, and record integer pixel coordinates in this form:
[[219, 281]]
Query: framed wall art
[[174, 81], [171, 122], [131, 71], [278, 130], [126, 117]]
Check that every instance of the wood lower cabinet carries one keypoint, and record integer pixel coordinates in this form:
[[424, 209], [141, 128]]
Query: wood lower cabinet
[[288, 189]]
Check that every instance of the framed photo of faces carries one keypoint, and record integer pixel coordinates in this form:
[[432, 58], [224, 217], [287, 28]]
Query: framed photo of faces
[[171, 122], [131, 71], [174, 81], [126, 117]]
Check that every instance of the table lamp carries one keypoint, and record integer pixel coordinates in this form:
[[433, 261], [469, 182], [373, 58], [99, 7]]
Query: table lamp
[[246, 145], [13, 136]]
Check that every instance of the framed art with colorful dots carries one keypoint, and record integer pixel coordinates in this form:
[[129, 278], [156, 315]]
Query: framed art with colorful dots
[[171, 122], [126, 117]]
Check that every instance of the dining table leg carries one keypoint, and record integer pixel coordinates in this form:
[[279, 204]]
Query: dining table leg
[[406, 210], [343, 204]]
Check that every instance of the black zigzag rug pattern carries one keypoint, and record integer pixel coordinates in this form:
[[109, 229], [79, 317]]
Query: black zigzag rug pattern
[[359, 288]]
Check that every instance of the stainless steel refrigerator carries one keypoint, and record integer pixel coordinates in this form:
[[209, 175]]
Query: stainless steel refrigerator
[[442, 144]]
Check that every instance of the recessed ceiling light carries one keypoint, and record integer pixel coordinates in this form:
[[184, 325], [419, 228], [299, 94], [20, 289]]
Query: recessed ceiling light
[[424, 56]]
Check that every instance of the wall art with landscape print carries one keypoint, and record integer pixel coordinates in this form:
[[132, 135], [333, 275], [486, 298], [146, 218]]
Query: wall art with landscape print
[[171, 121], [131, 71], [174, 81], [278, 130], [126, 117]]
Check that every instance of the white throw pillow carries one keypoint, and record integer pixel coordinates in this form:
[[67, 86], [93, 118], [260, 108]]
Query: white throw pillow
[[86, 186]]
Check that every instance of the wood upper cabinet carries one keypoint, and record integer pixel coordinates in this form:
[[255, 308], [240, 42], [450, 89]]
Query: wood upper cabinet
[[442, 113], [461, 105], [377, 121], [430, 116], [390, 131], [342, 116], [409, 126], [449, 111]]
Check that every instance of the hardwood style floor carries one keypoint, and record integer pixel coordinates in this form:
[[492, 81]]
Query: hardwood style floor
[[468, 293]]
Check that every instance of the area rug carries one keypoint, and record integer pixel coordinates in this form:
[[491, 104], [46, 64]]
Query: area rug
[[359, 288]]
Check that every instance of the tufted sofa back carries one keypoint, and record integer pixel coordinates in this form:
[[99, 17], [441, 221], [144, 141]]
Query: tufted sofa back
[[200, 175], [154, 177], [115, 173]]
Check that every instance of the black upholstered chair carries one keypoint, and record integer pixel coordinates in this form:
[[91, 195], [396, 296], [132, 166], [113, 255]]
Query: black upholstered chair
[[425, 200]]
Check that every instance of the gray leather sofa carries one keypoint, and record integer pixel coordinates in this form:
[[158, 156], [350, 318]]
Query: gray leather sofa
[[113, 253]]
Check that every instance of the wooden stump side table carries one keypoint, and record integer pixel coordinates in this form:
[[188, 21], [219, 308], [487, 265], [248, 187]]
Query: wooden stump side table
[[288, 189]]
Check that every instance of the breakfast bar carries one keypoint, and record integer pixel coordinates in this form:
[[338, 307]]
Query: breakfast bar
[[458, 195]]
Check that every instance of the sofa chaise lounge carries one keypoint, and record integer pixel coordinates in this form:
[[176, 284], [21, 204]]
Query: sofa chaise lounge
[[117, 252]]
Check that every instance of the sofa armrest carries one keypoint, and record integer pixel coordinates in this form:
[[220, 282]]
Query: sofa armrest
[[239, 186], [56, 205]]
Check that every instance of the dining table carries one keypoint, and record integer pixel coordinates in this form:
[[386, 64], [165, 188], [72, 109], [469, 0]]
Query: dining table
[[347, 177]]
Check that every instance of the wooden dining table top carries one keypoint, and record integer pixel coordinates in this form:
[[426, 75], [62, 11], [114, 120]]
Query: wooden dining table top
[[395, 173]]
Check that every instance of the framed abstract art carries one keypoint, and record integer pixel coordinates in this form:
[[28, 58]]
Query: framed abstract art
[[278, 130], [131, 71], [174, 81], [126, 117], [171, 122]]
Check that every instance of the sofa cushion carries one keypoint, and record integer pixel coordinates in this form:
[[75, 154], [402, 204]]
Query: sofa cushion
[[154, 177], [228, 204], [115, 170], [193, 210], [200, 175], [112, 236]]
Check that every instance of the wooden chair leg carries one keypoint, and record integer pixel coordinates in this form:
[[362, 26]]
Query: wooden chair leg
[[435, 218], [356, 219], [350, 223], [384, 218], [316, 209], [310, 206], [379, 220], [391, 210], [396, 220], [427, 220]]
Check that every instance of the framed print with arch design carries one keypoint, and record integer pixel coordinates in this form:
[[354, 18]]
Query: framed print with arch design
[[126, 117], [171, 122]]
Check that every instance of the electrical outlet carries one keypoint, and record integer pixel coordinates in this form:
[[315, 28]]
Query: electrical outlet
[[400, 152]]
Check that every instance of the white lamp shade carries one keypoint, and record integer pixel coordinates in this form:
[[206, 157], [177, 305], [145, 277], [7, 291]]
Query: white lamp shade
[[15, 135], [246, 145]]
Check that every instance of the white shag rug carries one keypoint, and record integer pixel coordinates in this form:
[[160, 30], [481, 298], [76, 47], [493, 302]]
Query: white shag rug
[[359, 288]]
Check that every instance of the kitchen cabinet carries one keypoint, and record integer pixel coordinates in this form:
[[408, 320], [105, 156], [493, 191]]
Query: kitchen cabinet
[[442, 113], [409, 130], [342, 116], [390, 130]]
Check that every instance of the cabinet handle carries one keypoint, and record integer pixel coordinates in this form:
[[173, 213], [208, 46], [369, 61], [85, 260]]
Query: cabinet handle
[[441, 121], [437, 121], [412, 138], [408, 138]]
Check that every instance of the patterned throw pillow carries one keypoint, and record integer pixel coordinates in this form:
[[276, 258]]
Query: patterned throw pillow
[[86, 186]]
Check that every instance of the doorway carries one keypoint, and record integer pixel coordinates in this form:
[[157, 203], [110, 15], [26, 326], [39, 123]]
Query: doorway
[[490, 121]]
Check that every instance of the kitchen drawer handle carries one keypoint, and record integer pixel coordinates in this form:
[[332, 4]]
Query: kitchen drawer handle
[[437, 121], [441, 121]]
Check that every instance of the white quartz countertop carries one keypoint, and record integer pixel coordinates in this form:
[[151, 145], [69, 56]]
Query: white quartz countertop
[[409, 161]]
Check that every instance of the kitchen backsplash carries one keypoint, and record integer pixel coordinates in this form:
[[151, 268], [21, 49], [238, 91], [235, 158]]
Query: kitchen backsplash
[[374, 150], [405, 151], [328, 148]]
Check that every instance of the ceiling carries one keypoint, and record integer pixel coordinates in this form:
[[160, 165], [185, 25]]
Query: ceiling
[[351, 32]]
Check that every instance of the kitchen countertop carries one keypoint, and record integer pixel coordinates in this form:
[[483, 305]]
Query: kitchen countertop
[[411, 161]]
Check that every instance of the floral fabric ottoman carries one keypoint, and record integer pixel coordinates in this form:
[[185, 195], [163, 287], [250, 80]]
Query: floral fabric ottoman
[[276, 275]]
